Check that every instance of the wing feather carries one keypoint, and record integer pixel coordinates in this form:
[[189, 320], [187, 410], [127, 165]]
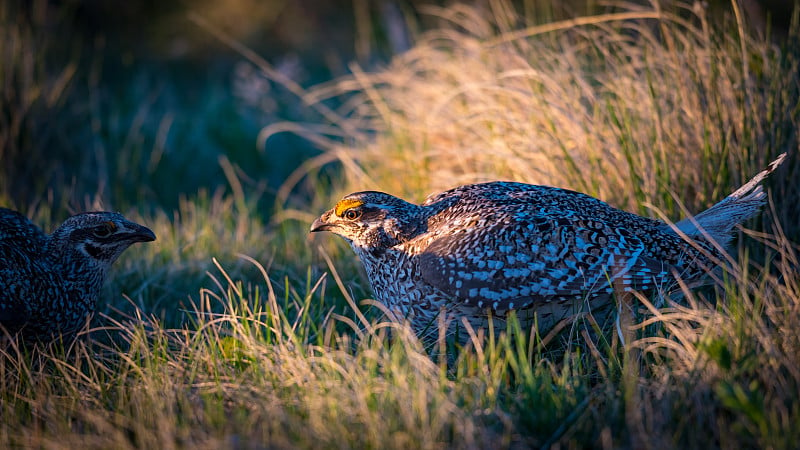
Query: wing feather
[[17, 230], [514, 258], [23, 277]]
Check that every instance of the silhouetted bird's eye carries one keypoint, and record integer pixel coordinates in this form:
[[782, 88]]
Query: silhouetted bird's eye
[[104, 230]]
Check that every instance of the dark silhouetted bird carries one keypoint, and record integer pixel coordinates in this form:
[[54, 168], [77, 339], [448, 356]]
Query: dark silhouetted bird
[[50, 284], [489, 248]]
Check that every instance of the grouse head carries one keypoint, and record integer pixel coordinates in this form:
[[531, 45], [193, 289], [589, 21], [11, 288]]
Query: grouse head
[[372, 221], [99, 237]]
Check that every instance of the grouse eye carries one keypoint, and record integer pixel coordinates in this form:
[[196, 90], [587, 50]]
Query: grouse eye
[[352, 214], [104, 230]]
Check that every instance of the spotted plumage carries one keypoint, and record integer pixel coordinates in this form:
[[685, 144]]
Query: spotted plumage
[[50, 284], [490, 248]]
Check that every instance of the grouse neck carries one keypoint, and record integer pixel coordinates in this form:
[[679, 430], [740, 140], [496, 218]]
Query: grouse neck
[[81, 274]]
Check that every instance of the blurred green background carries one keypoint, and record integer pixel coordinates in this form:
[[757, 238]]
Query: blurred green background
[[134, 104], [126, 105]]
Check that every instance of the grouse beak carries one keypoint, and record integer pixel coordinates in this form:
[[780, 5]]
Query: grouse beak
[[320, 224], [139, 233]]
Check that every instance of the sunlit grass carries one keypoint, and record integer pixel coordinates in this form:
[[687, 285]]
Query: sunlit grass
[[248, 372], [638, 107], [236, 329], [251, 367]]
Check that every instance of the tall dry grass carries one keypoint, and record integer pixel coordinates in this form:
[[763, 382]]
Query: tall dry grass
[[639, 108], [247, 376], [249, 369]]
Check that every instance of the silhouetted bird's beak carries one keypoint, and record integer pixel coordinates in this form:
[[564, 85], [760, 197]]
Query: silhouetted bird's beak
[[139, 233]]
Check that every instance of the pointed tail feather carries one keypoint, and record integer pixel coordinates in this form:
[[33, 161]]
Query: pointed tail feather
[[717, 222]]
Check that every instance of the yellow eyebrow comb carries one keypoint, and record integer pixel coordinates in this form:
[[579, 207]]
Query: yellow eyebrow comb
[[346, 204]]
